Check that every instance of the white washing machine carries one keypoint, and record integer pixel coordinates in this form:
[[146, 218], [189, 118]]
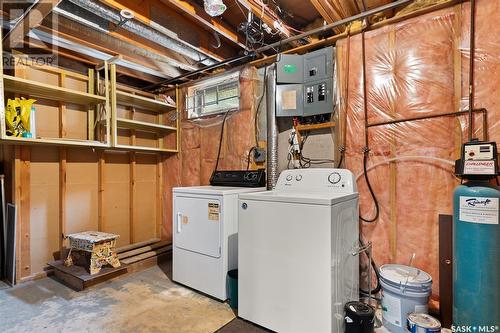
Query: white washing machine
[[205, 236], [296, 264]]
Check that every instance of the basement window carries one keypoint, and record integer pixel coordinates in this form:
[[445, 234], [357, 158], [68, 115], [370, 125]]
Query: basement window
[[215, 95]]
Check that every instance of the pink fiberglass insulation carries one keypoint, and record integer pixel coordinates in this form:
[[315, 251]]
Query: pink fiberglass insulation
[[416, 67], [200, 143]]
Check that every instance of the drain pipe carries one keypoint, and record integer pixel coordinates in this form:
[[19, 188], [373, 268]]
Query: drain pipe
[[272, 129], [165, 38]]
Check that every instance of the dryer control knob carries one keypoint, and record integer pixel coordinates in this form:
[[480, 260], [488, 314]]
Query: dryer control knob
[[334, 177], [298, 178], [289, 177]]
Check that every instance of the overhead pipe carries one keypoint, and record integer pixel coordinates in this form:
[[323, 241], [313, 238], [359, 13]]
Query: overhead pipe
[[165, 37], [286, 41]]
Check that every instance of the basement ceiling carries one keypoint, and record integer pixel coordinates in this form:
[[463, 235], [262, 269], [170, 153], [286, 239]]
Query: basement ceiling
[[167, 38]]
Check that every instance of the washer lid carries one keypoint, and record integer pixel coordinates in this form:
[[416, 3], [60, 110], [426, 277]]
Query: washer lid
[[402, 274], [312, 198], [216, 190]]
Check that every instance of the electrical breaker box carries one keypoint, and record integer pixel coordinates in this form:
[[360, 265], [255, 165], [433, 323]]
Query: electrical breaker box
[[289, 69], [318, 97], [304, 84], [318, 65]]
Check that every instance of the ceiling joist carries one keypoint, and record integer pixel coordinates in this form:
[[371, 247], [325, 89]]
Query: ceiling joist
[[199, 15]]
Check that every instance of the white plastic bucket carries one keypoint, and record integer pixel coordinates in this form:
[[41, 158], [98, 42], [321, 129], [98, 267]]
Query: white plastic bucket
[[405, 290]]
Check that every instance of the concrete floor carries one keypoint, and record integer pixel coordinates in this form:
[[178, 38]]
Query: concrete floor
[[146, 301]]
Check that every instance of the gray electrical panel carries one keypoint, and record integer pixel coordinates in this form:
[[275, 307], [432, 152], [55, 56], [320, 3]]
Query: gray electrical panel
[[304, 84], [289, 69], [289, 100], [318, 97], [318, 65]]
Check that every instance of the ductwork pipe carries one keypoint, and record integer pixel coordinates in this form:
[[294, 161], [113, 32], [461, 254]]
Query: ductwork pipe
[[154, 32], [272, 129]]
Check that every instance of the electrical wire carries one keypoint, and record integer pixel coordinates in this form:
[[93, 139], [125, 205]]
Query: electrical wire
[[304, 162], [220, 139], [366, 149], [374, 197], [248, 156]]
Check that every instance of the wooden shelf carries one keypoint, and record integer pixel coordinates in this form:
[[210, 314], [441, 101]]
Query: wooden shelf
[[42, 90], [143, 126], [54, 141], [128, 99], [145, 149], [310, 127]]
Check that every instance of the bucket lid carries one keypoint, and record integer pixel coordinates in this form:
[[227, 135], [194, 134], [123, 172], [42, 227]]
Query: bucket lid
[[405, 275], [424, 320]]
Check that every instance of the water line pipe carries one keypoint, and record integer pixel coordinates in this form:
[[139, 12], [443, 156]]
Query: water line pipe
[[403, 158], [471, 64]]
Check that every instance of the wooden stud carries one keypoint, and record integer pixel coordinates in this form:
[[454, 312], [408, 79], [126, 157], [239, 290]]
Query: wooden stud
[[62, 198], [160, 135], [110, 114], [16, 195], [100, 194], [24, 213], [91, 111], [114, 129], [393, 176], [457, 77], [132, 196], [62, 110], [159, 194], [178, 118]]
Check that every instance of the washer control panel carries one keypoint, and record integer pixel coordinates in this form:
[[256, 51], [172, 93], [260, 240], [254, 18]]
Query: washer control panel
[[317, 179]]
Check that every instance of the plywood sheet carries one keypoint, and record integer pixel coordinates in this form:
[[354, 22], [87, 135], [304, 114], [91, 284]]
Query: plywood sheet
[[44, 206], [145, 200], [47, 118], [116, 196], [146, 139], [76, 122], [81, 190]]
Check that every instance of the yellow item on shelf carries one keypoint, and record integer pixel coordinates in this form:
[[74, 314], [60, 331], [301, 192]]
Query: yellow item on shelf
[[17, 116]]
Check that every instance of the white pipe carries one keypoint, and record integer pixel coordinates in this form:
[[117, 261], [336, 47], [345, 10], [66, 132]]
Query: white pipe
[[402, 158]]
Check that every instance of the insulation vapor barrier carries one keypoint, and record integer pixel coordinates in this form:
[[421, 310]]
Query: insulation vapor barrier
[[416, 68], [200, 141]]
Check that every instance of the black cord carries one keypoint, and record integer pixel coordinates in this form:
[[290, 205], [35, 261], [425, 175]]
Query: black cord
[[366, 150], [248, 157], [220, 139], [365, 174]]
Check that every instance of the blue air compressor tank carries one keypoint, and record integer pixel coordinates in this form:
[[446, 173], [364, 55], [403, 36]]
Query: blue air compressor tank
[[476, 254]]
